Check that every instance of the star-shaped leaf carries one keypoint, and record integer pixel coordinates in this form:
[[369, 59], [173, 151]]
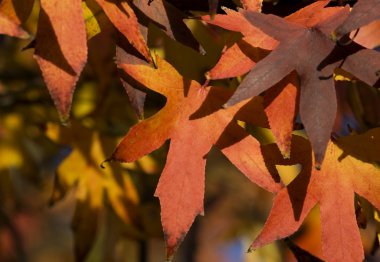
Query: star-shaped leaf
[[310, 51], [242, 57], [333, 189], [194, 122]]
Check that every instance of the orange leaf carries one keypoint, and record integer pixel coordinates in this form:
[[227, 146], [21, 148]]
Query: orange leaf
[[333, 188], [194, 121], [61, 49]]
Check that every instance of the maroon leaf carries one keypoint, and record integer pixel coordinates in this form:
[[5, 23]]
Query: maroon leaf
[[363, 13], [310, 51]]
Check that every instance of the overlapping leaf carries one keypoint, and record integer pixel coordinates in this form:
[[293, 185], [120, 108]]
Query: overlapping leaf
[[332, 188], [193, 121], [12, 15], [242, 57], [363, 13], [125, 20], [60, 51], [166, 17], [308, 50]]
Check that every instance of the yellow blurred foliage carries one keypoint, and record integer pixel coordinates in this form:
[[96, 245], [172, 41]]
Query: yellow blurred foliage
[[82, 169]]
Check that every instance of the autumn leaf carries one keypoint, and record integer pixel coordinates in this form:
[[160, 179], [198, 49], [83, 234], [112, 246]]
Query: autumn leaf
[[12, 15], [60, 51], [308, 50], [93, 184], [333, 189], [188, 117], [363, 13], [125, 20], [242, 57]]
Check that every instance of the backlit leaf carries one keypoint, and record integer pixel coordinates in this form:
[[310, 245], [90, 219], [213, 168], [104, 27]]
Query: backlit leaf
[[187, 118]]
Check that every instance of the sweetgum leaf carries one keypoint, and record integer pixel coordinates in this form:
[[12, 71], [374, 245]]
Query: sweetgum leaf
[[60, 51], [333, 189], [194, 122], [363, 13], [12, 15], [308, 50], [242, 57]]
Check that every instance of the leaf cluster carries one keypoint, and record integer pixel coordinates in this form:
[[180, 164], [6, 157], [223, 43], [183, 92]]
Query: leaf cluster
[[220, 73]]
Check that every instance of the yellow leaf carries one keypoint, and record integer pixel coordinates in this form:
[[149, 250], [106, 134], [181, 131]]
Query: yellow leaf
[[92, 25]]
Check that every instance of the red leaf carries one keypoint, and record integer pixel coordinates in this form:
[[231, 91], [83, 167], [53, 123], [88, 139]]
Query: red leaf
[[242, 57], [194, 121], [333, 188], [61, 51], [314, 56]]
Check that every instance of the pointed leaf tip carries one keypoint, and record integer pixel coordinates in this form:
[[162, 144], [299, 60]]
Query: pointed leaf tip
[[64, 117]]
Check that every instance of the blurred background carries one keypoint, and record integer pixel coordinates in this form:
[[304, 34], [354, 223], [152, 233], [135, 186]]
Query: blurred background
[[58, 204]]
